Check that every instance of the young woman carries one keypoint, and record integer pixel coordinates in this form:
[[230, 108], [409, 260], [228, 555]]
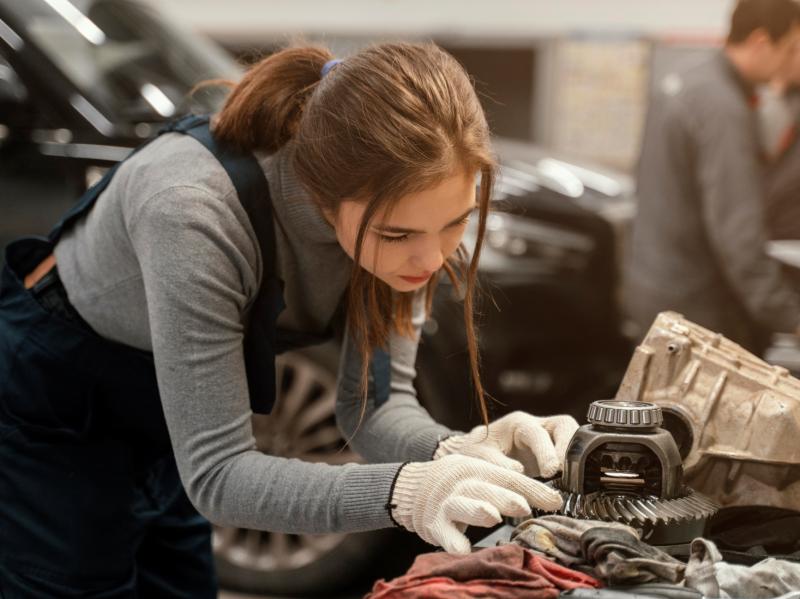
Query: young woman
[[138, 338]]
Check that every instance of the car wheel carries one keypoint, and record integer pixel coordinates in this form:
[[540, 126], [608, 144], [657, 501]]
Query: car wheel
[[302, 425]]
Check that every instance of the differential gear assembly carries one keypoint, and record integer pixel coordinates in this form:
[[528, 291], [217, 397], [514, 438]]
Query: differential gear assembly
[[624, 467]]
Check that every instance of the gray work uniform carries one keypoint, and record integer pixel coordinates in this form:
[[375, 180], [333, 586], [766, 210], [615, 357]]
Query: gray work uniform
[[698, 240], [783, 174]]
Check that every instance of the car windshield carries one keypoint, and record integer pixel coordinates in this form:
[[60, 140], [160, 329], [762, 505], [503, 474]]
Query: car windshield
[[124, 56]]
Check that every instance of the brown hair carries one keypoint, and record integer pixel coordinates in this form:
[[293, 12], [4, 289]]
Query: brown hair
[[390, 120], [776, 17]]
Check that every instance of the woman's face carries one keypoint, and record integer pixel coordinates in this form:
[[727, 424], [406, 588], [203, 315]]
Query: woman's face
[[404, 249]]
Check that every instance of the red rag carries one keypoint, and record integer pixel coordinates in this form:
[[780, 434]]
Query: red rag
[[504, 572]]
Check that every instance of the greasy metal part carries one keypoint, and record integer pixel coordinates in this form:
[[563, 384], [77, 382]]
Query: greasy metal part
[[623, 467], [736, 418], [659, 521], [594, 454], [623, 450], [632, 414]]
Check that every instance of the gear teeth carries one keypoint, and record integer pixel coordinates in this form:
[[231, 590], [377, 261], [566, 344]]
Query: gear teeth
[[645, 509], [623, 508], [634, 511], [670, 511]]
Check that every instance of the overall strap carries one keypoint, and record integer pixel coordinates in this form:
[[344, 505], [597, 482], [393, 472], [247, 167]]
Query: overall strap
[[83, 205], [381, 369]]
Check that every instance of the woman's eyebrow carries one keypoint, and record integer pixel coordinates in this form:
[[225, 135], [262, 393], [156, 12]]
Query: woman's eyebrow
[[390, 229]]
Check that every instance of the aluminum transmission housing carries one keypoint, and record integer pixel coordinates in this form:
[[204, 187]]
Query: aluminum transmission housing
[[736, 419]]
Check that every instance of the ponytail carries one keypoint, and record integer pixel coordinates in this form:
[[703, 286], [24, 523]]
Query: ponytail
[[263, 110]]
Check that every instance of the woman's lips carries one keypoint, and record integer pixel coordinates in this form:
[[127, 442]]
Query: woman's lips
[[415, 280]]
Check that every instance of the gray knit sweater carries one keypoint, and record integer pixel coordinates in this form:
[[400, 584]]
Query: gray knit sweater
[[167, 261]]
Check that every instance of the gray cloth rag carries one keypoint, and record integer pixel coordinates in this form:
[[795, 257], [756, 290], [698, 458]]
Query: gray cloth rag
[[558, 537], [621, 558], [706, 572], [609, 551]]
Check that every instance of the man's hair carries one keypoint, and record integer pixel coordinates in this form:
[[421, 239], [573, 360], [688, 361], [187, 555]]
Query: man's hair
[[776, 17]]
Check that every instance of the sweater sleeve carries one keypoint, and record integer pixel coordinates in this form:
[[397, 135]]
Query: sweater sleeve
[[400, 429], [196, 256]]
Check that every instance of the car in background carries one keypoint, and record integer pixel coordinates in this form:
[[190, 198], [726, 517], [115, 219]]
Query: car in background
[[82, 82]]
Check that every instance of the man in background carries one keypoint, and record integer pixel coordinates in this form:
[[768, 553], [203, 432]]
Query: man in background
[[698, 241]]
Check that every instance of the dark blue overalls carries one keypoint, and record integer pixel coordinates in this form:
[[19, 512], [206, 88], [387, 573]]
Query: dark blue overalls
[[90, 500]]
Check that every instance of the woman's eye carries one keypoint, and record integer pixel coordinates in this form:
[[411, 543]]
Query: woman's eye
[[393, 238], [405, 236]]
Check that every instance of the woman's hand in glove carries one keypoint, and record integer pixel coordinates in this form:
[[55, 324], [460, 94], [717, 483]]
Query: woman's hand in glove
[[439, 499], [518, 441]]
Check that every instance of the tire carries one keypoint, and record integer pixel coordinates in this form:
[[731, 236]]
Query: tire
[[302, 425]]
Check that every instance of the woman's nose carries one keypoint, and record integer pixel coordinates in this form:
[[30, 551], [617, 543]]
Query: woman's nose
[[429, 258]]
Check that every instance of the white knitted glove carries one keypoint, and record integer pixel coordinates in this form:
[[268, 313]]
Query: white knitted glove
[[439, 499], [518, 441]]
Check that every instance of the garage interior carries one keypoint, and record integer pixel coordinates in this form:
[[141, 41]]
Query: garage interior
[[639, 278]]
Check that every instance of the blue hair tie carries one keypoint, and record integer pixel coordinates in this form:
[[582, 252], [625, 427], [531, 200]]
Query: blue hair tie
[[329, 65]]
